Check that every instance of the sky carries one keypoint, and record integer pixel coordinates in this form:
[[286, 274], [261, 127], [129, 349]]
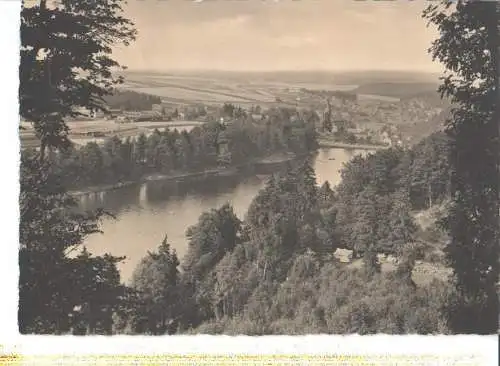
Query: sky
[[262, 35]]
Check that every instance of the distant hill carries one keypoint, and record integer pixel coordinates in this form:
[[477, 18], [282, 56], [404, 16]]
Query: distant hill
[[384, 76], [402, 90], [302, 76]]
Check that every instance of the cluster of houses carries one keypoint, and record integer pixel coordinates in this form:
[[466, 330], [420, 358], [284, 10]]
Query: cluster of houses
[[167, 112], [155, 114], [389, 135], [373, 114]]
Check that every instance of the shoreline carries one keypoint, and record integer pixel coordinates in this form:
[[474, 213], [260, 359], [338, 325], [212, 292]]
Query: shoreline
[[343, 145], [179, 177], [148, 178]]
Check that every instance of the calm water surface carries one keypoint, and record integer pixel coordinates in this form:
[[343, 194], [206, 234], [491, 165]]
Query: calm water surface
[[146, 212]]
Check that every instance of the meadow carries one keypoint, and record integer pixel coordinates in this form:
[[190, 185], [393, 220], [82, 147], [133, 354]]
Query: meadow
[[216, 88]]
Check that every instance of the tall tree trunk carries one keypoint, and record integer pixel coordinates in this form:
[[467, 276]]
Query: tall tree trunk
[[494, 35], [429, 194], [43, 147], [90, 320], [448, 185]]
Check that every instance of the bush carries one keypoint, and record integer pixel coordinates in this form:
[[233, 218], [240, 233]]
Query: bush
[[435, 257], [210, 327]]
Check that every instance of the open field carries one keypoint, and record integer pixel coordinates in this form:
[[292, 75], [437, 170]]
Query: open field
[[170, 124], [400, 98], [79, 130], [219, 88], [382, 98]]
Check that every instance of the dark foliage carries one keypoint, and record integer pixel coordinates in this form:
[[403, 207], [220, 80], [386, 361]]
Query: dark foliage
[[468, 48], [129, 100], [210, 146], [60, 292], [275, 273], [66, 63]]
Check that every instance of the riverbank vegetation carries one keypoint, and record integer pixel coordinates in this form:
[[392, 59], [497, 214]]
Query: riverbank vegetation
[[209, 146]]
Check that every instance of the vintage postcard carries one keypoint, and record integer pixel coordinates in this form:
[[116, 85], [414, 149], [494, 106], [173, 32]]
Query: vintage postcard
[[257, 168]]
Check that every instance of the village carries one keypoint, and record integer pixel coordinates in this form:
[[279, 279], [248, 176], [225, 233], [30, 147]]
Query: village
[[342, 118]]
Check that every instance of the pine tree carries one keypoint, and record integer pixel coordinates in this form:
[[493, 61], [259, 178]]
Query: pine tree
[[215, 234], [326, 194], [401, 223], [468, 48], [156, 280], [364, 230], [140, 149], [307, 188]]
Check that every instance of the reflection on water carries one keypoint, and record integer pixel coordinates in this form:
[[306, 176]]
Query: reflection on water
[[146, 212]]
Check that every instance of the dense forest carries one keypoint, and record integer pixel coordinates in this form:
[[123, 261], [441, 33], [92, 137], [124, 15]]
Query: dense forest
[[274, 272], [129, 100], [171, 151]]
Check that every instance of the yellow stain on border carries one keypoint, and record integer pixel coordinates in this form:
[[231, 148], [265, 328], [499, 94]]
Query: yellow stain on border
[[261, 360]]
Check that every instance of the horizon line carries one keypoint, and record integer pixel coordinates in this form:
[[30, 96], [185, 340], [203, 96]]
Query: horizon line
[[187, 70]]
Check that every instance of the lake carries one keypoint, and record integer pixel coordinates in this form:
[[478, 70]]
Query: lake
[[146, 212]]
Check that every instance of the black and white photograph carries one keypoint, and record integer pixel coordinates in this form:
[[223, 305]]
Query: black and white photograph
[[258, 167]]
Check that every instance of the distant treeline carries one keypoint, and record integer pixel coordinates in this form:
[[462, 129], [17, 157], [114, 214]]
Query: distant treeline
[[129, 100], [172, 151]]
